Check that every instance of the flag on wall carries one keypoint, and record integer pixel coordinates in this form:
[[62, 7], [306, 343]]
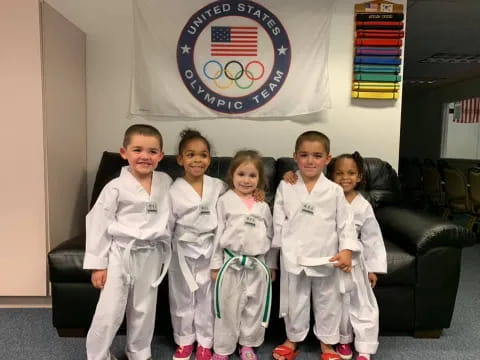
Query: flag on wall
[[229, 57], [467, 111]]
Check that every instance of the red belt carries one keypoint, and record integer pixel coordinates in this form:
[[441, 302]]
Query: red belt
[[378, 42], [391, 34]]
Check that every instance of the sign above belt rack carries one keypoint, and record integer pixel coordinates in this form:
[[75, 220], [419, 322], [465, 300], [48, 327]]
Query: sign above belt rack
[[379, 33]]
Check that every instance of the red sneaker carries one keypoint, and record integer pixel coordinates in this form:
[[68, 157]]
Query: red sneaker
[[345, 351], [183, 352], [203, 353]]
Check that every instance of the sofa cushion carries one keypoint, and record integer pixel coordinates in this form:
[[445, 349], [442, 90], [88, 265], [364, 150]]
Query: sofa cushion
[[66, 261], [401, 267]]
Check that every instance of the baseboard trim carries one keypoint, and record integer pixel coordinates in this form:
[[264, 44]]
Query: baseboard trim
[[25, 302]]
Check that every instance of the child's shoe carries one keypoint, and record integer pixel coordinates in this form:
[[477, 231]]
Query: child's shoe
[[203, 353], [219, 357], [345, 351], [183, 352], [247, 353], [363, 357]]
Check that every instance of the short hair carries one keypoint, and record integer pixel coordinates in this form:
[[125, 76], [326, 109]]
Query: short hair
[[244, 156], [142, 129], [357, 158], [188, 135], [313, 135]]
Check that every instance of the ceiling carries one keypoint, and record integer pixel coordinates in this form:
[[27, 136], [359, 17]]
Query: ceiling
[[441, 26]]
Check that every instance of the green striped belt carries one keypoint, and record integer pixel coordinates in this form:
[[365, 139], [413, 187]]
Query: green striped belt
[[248, 262]]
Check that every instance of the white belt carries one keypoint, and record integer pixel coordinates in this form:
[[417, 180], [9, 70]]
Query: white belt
[[127, 259], [189, 237]]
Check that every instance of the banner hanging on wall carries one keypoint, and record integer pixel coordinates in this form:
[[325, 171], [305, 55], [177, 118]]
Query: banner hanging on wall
[[230, 57]]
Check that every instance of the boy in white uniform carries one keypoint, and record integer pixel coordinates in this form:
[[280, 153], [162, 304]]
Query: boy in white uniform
[[313, 226], [128, 247]]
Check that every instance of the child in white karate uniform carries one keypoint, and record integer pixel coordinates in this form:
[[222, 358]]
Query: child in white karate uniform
[[242, 261], [313, 226], [360, 309], [193, 201], [128, 247]]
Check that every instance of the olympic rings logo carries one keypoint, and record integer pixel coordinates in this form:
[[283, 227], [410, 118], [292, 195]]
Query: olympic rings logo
[[232, 67]]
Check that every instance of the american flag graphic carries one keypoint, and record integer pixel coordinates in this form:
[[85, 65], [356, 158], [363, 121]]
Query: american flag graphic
[[234, 41], [469, 111]]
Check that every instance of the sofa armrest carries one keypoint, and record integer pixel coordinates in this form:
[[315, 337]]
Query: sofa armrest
[[65, 261], [418, 232]]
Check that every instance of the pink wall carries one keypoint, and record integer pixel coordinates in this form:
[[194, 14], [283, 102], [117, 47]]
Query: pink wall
[[22, 184]]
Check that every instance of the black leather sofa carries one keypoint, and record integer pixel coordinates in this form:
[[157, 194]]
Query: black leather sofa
[[417, 296]]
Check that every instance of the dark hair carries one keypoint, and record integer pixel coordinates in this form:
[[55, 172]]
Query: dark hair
[[357, 158], [142, 129], [188, 135], [247, 156], [313, 135]]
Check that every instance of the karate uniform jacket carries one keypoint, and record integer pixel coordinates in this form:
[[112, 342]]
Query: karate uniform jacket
[[123, 212], [312, 227]]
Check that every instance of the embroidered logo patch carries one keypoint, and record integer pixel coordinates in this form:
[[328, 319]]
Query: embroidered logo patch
[[151, 207]]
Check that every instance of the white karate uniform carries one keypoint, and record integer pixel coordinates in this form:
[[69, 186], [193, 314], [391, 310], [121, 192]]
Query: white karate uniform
[[127, 234], [360, 309], [242, 283], [310, 228], [193, 220]]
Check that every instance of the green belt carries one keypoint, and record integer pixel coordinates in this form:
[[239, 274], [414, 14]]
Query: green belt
[[248, 262]]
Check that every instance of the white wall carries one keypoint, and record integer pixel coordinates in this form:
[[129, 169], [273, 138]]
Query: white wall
[[460, 140], [369, 126], [422, 116]]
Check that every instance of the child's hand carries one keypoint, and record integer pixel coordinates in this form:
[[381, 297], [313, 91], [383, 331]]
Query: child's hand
[[258, 195], [99, 278], [372, 277], [290, 177], [343, 260], [273, 274], [214, 274]]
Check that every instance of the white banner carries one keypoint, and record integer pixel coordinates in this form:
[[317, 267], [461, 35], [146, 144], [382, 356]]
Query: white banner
[[230, 57]]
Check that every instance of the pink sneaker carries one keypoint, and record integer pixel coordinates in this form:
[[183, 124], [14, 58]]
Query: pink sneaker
[[219, 357], [203, 353], [247, 353], [363, 357], [183, 352], [345, 351]]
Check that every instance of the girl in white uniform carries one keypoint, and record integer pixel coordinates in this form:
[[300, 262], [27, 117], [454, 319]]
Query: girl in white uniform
[[360, 309], [128, 247], [242, 261], [314, 228], [193, 201]]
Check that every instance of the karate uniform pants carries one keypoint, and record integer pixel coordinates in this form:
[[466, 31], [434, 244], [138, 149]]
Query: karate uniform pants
[[137, 301], [243, 294], [324, 295], [191, 312], [360, 312]]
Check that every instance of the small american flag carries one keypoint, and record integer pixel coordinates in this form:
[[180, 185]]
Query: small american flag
[[468, 111], [234, 41]]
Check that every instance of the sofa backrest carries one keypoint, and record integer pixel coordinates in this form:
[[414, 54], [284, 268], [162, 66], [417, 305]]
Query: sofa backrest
[[111, 163], [382, 185]]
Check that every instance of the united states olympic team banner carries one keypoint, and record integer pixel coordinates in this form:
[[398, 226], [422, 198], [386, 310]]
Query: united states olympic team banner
[[212, 58]]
